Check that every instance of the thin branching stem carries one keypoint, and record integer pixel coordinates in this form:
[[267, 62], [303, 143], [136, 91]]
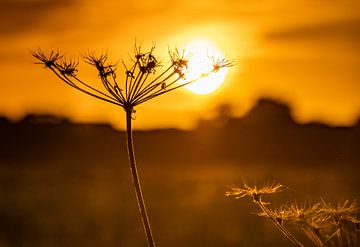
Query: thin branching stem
[[126, 78], [67, 81], [279, 226], [134, 91], [158, 93], [92, 88], [312, 235], [132, 85], [339, 234], [137, 84], [157, 78], [136, 180], [149, 89], [141, 83], [109, 88], [132, 80], [116, 87]]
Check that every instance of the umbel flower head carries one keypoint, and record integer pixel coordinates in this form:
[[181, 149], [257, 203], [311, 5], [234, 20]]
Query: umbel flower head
[[255, 192], [143, 78], [302, 214], [345, 211]]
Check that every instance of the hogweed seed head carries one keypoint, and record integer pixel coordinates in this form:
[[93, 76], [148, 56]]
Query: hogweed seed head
[[142, 83], [48, 60], [278, 213], [142, 80], [343, 211], [254, 192], [321, 221], [219, 63], [67, 67], [180, 61]]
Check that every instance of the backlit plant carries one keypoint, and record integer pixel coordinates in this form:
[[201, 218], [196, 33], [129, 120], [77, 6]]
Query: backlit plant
[[145, 78], [323, 223]]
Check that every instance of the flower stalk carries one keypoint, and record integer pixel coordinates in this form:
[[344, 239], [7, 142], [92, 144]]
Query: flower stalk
[[323, 223], [142, 83], [256, 194], [136, 180]]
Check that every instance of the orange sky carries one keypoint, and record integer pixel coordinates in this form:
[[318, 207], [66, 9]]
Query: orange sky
[[302, 52]]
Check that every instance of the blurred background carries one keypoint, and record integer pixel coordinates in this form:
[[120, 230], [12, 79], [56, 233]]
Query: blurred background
[[288, 111], [305, 53], [69, 184]]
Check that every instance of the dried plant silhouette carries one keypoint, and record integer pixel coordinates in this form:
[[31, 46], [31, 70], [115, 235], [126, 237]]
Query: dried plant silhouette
[[257, 194], [322, 223], [145, 78]]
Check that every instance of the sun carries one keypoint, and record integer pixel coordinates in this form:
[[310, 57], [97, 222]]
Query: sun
[[200, 61]]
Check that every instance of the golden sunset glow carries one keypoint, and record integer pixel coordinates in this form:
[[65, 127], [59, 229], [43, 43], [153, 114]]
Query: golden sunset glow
[[202, 53], [138, 123], [309, 61]]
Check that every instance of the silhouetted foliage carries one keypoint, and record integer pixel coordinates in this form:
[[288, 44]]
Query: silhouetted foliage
[[141, 83]]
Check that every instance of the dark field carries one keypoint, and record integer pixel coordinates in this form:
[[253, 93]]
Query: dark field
[[64, 184]]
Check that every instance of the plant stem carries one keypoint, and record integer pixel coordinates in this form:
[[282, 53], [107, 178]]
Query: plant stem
[[135, 176], [279, 226], [339, 236]]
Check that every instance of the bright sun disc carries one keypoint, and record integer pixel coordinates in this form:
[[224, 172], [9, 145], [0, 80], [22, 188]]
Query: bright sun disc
[[200, 62]]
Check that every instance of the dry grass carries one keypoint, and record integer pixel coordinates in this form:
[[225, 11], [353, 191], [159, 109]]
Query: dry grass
[[323, 223]]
